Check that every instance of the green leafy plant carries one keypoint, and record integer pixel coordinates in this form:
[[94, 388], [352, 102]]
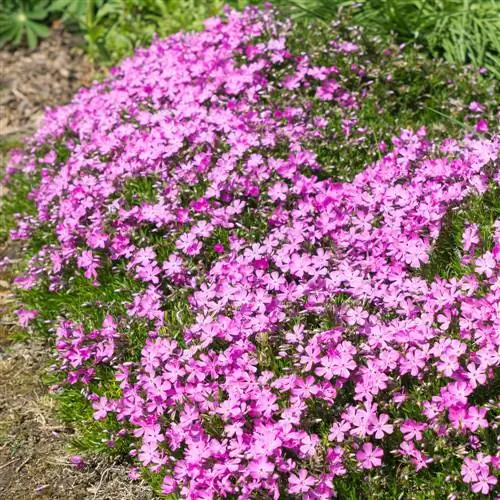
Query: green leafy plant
[[461, 31], [23, 20], [71, 10], [114, 28]]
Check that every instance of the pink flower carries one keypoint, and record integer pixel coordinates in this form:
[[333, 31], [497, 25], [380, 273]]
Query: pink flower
[[484, 484], [249, 298], [260, 468], [309, 445], [412, 429], [148, 453], [169, 485], [90, 263], [476, 374], [420, 461], [485, 264], [469, 470], [301, 483], [470, 237], [356, 316], [369, 457], [338, 431], [338, 365], [482, 126], [102, 408], [476, 107], [218, 248], [26, 316], [475, 418], [134, 474], [379, 426]]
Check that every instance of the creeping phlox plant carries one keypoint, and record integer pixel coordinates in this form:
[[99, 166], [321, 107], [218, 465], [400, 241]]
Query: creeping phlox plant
[[264, 329]]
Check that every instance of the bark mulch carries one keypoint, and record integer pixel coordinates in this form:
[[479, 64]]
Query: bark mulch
[[31, 80]]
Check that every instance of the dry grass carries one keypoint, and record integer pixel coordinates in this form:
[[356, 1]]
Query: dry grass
[[34, 452]]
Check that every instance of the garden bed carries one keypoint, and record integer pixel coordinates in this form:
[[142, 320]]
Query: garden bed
[[259, 253]]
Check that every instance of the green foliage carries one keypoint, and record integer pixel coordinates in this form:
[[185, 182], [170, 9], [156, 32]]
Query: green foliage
[[461, 31], [407, 90], [23, 21], [483, 210], [114, 28], [74, 10]]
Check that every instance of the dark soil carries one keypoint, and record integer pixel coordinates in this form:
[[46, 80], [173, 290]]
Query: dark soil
[[34, 445]]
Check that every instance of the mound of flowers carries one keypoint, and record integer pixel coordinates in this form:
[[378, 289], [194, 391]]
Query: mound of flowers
[[257, 327]]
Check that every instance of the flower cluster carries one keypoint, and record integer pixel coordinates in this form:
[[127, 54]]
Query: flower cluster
[[319, 343]]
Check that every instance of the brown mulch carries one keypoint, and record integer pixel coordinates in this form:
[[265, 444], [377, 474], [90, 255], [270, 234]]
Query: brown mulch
[[34, 444], [31, 80]]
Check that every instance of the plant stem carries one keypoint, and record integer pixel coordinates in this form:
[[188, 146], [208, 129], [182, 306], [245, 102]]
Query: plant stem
[[90, 13]]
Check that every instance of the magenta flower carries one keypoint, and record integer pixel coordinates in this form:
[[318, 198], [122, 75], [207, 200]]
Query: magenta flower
[[77, 461], [485, 264], [26, 316], [482, 126], [369, 456], [379, 426], [301, 483]]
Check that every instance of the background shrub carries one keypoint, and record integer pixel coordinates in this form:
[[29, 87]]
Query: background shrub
[[461, 31], [111, 28], [114, 28], [23, 21]]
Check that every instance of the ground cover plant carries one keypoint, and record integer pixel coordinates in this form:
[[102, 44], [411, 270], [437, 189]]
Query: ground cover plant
[[262, 275], [462, 31]]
